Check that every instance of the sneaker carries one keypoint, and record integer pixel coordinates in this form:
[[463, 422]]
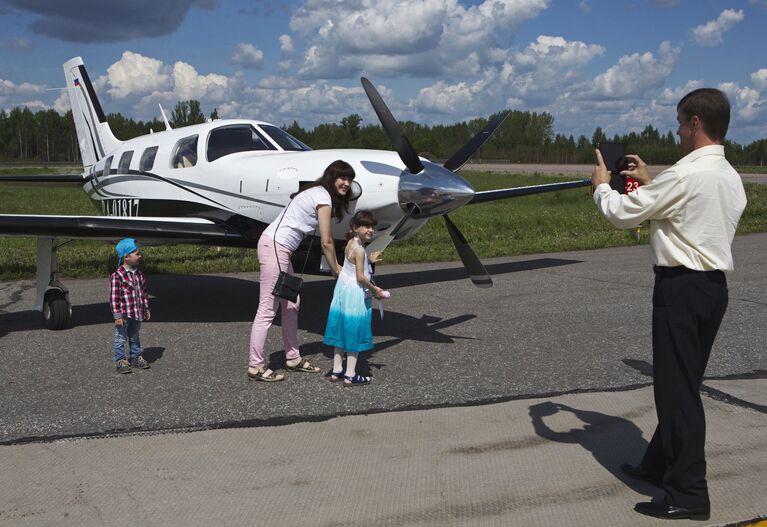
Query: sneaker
[[139, 362], [123, 366]]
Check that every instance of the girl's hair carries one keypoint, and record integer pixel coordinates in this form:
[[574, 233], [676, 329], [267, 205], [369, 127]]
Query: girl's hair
[[336, 169], [361, 218]]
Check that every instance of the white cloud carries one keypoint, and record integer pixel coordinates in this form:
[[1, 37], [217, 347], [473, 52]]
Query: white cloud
[[62, 103], [444, 98], [672, 96], [759, 78], [585, 6], [710, 34], [634, 74], [748, 106], [135, 74], [10, 88], [533, 77], [247, 55], [546, 68], [188, 84], [395, 37], [286, 53]]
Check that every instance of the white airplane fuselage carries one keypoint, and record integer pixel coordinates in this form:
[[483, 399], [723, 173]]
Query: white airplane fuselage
[[255, 185]]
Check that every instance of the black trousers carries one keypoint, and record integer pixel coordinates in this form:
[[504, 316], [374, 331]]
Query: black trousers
[[688, 307]]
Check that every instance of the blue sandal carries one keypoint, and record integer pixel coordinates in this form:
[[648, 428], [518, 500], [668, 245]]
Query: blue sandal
[[356, 380], [334, 376]]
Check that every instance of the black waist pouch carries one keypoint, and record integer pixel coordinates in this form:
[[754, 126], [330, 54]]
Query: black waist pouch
[[287, 286]]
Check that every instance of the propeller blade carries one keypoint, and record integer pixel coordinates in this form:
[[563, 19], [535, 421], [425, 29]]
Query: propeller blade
[[474, 267], [459, 158], [398, 139]]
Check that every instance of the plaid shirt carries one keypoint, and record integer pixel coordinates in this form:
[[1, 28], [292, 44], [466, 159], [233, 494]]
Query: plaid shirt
[[128, 295]]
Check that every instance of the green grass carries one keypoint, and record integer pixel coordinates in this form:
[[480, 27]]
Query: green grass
[[552, 222], [752, 170]]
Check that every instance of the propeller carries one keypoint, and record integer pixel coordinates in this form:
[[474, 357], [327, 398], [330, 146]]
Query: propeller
[[433, 190], [477, 272], [398, 139], [459, 158]]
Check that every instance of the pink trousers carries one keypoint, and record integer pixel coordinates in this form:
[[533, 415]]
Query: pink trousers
[[268, 303]]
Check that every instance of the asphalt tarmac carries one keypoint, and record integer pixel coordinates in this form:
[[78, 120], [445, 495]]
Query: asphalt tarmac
[[513, 405], [555, 323]]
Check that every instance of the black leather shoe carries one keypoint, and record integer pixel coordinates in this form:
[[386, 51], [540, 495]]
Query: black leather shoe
[[638, 472], [669, 512]]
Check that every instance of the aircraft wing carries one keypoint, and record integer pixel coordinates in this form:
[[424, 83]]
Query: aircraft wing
[[146, 229], [492, 195], [46, 178]]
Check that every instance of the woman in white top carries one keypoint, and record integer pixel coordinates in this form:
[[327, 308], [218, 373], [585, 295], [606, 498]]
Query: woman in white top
[[310, 208]]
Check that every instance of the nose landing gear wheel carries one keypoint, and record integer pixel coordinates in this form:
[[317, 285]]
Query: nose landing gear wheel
[[57, 311]]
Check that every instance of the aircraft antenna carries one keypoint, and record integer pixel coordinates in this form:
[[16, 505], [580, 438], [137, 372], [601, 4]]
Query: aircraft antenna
[[164, 118]]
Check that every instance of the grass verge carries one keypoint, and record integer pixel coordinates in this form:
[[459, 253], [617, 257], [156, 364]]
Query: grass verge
[[552, 222]]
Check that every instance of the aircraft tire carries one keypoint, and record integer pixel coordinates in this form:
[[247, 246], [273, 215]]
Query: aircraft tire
[[57, 311]]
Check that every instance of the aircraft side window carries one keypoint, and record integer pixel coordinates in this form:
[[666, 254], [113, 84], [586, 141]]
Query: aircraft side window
[[147, 159], [185, 152], [235, 138], [107, 166], [123, 167]]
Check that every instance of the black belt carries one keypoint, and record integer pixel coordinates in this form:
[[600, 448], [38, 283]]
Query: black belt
[[674, 271]]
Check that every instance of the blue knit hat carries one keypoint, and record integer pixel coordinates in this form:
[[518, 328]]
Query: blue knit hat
[[125, 246]]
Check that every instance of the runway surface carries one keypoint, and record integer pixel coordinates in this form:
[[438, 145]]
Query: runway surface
[[574, 171], [552, 324]]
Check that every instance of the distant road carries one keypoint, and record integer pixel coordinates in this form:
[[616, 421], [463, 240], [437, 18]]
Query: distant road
[[574, 170]]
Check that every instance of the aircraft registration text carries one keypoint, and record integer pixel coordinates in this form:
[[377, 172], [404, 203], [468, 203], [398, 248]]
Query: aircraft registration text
[[120, 207]]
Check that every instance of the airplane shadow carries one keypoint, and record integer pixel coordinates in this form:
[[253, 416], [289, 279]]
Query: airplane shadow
[[396, 280], [611, 440], [206, 298]]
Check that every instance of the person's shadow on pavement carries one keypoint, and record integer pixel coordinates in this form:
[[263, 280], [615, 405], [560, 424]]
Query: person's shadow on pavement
[[611, 440]]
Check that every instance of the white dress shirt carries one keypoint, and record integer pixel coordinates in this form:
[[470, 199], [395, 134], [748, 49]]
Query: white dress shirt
[[693, 207]]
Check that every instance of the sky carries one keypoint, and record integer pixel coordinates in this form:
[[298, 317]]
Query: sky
[[617, 64]]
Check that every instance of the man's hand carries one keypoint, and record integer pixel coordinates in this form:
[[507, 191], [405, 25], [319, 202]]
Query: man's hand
[[601, 174], [119, 322], [147, 315], [637, 170]]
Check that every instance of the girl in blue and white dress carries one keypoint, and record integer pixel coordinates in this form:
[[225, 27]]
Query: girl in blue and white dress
[[349, 320]]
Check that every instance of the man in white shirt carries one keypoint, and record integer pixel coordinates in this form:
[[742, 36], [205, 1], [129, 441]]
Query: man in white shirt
[[694, 208]]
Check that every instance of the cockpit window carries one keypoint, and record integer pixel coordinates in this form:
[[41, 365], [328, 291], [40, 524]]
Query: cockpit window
[[185, 152], [284, 139], [235, 138]]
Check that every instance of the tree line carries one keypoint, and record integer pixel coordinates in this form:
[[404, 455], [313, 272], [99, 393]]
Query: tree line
[[525, 137]]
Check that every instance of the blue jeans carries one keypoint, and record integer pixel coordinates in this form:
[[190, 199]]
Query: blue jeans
[[128, 331]]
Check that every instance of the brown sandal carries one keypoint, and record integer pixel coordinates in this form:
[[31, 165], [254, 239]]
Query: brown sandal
[[262, 375], [303, 366]]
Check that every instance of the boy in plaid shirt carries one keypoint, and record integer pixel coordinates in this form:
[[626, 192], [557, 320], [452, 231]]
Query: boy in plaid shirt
[[129, 301]]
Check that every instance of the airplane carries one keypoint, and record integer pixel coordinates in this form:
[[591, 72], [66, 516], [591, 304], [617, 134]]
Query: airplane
[[222, 182]]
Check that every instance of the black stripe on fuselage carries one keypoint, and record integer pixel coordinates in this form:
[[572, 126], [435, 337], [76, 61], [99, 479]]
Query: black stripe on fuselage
[[248, 228], [136, 175]]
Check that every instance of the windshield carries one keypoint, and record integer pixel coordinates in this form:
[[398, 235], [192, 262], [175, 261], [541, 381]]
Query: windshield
[[284, 139]]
